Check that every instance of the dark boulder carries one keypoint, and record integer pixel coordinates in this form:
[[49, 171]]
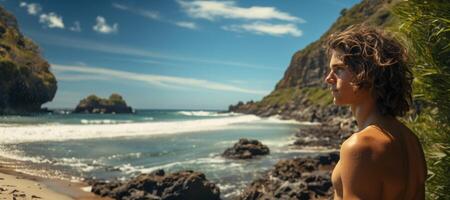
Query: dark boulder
[[182, 185], [299, 178], [246, 149]]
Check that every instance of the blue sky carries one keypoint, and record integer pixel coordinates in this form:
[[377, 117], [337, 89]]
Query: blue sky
[[171, 54]]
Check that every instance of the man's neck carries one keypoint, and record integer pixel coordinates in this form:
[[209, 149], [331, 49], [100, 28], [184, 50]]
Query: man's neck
[[365, 114]]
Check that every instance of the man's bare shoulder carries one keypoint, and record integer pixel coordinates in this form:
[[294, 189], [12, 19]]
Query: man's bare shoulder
[[359, 159], [370, 142]]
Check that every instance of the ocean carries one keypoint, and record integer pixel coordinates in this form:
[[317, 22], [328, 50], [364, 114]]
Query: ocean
[[107, 146]]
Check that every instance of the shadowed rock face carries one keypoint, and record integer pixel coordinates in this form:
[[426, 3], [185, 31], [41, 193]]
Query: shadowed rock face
[[25, 80], [246, 149], [158, 185], [299, 178], [326, 136]]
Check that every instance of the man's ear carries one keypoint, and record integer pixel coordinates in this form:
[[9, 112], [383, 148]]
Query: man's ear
[[355, 85], [360, 86]]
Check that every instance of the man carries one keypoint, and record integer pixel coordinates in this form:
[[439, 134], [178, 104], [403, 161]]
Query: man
[[384, 160]]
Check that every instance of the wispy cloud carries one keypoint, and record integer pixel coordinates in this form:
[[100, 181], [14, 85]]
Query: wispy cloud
[[32, 8], [155, 80], [76, 27], [80, 77], [102, 27], [189, 25], [238, 81], [146, 13], [212, 10], [266, 28], [154, 15], [51, 20], [120, 6], [124, 50], [146, 61]]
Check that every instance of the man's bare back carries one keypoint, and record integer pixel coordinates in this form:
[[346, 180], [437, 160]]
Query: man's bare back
[[390, 160]]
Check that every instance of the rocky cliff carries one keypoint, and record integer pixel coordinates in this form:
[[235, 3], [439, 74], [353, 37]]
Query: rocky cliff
[[25, 80], [301, 93]]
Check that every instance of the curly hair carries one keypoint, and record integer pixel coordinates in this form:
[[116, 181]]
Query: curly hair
[[379, 63]]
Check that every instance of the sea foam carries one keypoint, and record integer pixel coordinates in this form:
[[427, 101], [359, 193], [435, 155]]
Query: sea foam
[[217, 162], [207, 114], [63, 132]]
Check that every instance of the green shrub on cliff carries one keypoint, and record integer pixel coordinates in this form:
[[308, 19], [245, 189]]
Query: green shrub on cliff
[[116, 99], [426, 27], [319, 96], [280, 97], [293, 95]]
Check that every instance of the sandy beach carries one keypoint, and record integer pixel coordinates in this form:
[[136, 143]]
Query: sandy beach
[[16, 185]]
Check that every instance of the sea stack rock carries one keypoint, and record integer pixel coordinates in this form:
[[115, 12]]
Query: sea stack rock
[[94, 104], [158, 185], [246, 149]]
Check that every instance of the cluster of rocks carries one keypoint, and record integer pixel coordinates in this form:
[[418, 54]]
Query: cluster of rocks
[[93, 104], [246, 149], [301, 109], [299, 178], [181, 185], [326, 136]]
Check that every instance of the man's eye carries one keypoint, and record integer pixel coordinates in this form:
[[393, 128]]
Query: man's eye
[[338, 70]]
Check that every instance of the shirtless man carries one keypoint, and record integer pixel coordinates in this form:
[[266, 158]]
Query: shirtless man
[[384, 160]]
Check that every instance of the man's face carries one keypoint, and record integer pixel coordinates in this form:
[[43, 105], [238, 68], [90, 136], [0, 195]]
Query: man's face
[[340, 80]]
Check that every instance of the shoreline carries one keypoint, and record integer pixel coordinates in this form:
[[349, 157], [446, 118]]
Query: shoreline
[[70, 189], [18, 185]]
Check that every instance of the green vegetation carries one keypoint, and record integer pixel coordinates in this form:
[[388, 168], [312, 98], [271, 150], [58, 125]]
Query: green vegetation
[[374, 14], [114, 100], [94, 104], [426, 29], [280, 97], [22, 90], [318, 96]]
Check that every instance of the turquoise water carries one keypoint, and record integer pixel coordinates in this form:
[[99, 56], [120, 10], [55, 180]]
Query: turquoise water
[[102, 146]]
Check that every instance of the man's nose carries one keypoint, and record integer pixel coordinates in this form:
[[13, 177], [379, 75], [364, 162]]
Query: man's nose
[[329, 78]]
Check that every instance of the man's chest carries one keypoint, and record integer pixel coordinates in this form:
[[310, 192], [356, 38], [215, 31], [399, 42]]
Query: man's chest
[[336, 180]]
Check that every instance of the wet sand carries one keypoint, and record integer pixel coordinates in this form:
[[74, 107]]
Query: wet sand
[[16, 185]]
